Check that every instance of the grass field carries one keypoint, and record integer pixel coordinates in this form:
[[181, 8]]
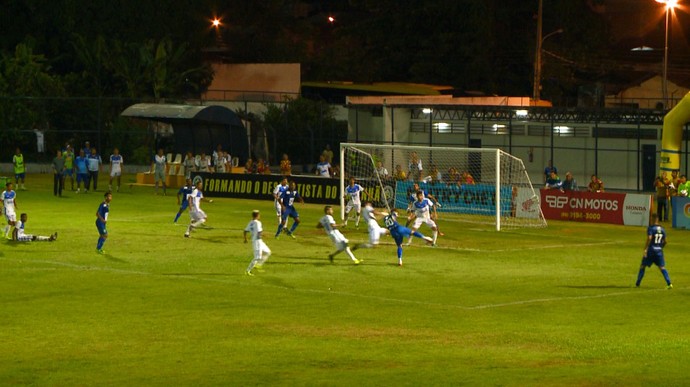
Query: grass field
[[548, 307]]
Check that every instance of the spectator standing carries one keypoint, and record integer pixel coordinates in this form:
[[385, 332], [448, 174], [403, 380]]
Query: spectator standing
[[19, 168], [189, 165], [87, 148], [262, 167], [203, 163], [595, 184], [220, 161], [661, 186], [116, 164], [323, 168], [285, 166], [58, 173], [82, 170], [328, 154], [159, 164], [684, 186], [549, 168], [553, 182], [94, 163], [249, 166], [399, 174], [414, 167], [569, 184], [381, 170], [68, 154]]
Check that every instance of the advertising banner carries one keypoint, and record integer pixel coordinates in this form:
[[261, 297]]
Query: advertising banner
[[603, 207], [313, 189], [681, 212]]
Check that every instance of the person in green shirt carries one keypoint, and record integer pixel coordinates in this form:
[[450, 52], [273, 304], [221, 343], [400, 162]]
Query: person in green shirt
[[19, 169], [68, 155]]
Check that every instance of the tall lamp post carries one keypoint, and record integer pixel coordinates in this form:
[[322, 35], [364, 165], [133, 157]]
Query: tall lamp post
[[670, 5], [536, 92]]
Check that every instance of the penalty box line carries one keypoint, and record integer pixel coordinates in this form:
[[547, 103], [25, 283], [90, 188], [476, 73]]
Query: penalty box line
[[349, 294]]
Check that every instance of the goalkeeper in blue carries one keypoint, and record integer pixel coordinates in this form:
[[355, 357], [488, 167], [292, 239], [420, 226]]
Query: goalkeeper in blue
[[654, 251], [399, 232]]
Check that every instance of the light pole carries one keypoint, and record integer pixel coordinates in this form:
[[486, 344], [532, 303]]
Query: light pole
[[536, 92], [670, 5]]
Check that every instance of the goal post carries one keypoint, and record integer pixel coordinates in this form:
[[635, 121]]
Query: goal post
[[475, 185]]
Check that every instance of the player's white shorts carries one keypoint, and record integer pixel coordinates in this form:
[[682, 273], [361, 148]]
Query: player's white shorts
[[420, 220], [260, 248], [116, 173], [350, 205], [279, 210], [375, 231], [338, 239], [196, 216], [11, 216]]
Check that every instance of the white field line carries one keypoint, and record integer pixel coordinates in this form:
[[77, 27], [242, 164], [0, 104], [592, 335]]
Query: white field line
[[348, 294]]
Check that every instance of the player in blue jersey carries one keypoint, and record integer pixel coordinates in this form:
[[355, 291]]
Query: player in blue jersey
[[353, 193], [399, 232], [654, 251], [183, 196], [101, 220], [287, 203]]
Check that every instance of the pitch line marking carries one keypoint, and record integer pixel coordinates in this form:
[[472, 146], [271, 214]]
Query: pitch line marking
[[348, 294]]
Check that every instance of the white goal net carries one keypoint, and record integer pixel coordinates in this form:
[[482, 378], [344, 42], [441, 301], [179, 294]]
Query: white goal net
[[476, 185]]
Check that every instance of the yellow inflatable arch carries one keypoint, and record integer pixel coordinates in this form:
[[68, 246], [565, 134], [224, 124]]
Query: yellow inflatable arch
[[672, 135]]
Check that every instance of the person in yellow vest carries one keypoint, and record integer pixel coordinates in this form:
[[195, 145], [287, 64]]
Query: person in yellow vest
[[19, 168], [69, 156]]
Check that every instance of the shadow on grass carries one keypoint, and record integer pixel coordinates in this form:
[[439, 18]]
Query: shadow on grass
[[109, 257], [595, 286]]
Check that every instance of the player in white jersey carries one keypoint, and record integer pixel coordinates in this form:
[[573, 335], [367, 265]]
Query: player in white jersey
[[9, 207], [261, 251], [341, 243], [277, 193], [375, 231], [196, 215], [116, 163], [353, 193], [20, 236], [422, 210]]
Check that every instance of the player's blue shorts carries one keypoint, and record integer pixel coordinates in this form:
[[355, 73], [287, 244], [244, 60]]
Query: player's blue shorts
[[82, 177], [18, 176], [289, 211], [184, 205], [399, 233], [655, 257], [68, 172], [101, 227]]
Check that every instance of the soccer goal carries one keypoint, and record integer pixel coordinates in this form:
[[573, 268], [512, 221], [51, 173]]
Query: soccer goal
[[476, 185]]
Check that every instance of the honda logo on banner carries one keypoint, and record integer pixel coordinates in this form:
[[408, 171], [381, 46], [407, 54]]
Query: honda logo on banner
[[556, 201]]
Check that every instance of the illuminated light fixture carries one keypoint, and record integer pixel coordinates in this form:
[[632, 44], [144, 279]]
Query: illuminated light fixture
[[427, 110], [521, 113], [498, 126], [216, 22], [562, 129], [331, 19]]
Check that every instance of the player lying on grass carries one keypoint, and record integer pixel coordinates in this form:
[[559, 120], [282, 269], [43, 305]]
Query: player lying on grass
[[19, 234], [398, 232]]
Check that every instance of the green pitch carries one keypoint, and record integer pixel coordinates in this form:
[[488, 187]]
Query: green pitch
[[553, 306]]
